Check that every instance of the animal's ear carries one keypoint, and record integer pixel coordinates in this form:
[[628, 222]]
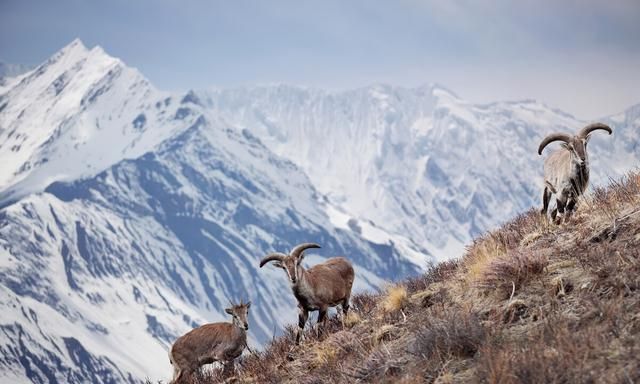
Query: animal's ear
[[248, 305], [229, 311], [566, 146], [277, 264], [300, 258]]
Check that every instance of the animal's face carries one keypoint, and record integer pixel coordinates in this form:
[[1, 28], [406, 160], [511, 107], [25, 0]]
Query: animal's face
[[290, 266], [240, 314], [578, 147]]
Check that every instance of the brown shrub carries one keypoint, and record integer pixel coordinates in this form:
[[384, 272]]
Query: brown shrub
[[437, 296], [380, 363], [449, 333], [508, 273], [435, 273], [365, 303]]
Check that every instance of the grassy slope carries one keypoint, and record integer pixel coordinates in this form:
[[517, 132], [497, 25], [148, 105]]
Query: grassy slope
[[529, 303]]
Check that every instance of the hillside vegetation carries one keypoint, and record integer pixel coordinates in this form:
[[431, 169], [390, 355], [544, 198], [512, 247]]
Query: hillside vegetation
[[531, 302]]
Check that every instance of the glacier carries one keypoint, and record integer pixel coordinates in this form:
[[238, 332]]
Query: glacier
[[129, 215]]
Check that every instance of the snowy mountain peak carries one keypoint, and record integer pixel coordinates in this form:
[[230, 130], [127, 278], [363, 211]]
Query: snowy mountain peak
[[75, 114], [74, 48]]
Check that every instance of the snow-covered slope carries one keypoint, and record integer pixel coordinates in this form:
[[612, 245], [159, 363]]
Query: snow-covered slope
[[9, 71], [115, 254], [419, 163]]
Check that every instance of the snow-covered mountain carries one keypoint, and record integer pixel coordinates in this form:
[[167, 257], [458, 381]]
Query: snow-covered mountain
[[9, 70], [77, 113], [128, 215], [419, 163]]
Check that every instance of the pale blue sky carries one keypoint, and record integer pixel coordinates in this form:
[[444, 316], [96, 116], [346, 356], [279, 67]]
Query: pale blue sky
[[580, 56]]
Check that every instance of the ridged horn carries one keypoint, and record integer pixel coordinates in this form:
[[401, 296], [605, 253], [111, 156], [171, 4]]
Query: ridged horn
[[592, 127], [298, 249], [551, 138], [277, 256]]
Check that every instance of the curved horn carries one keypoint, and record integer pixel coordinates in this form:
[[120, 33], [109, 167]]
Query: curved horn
[[298, 249], [551, 138], [592, 127], [277, 256]]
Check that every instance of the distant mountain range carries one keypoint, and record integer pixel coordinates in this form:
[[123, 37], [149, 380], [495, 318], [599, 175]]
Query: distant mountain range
[[129, 215], [420, 163]]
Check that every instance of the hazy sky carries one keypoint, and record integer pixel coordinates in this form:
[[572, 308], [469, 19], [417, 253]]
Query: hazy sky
[[580, 56]]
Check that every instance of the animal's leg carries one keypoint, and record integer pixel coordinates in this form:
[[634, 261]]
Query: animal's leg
[[303, 315], [561, 208], [322, 320], [546, 196], [345, 310], [345, 307], [571, 207]]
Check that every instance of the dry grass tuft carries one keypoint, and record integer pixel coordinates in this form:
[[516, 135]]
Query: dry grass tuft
[[323, 354], [510, 272], [445, 378], [561, 286], [452, 333], [435, 273], [384, 333], [396, 299], [380, 363], [530, 238], [481, 253], [352, 319], [514, 311], [436, 295]]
